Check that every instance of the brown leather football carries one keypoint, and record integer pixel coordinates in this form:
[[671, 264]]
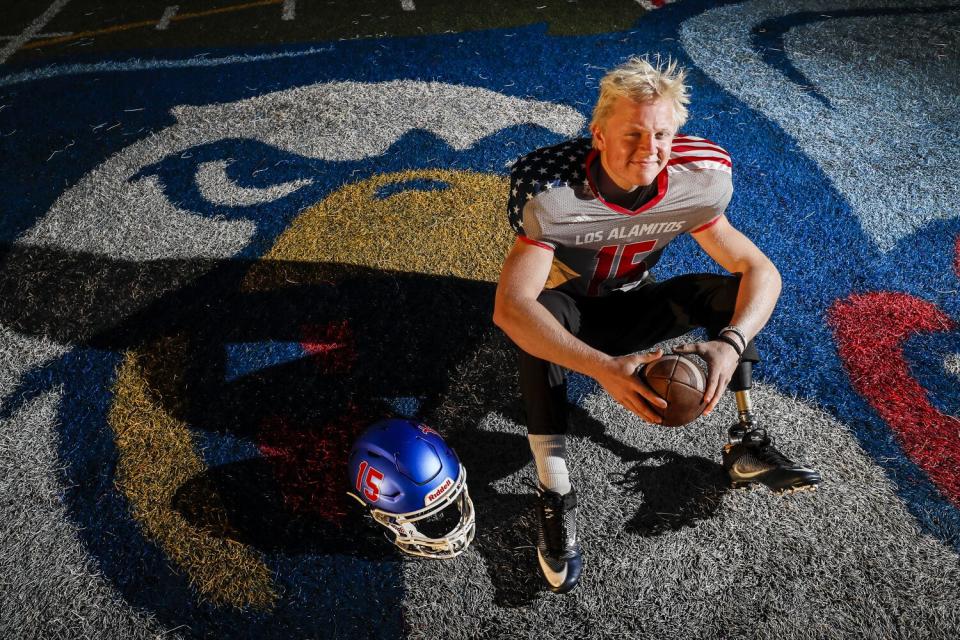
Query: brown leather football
[[681, 382]]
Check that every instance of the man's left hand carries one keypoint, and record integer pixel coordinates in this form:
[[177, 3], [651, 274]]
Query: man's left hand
[[722, 360]]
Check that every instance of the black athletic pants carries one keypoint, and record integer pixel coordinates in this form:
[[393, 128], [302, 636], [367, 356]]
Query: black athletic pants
[[622, 323]]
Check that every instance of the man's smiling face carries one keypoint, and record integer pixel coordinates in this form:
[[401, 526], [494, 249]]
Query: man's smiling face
[[635, 140]]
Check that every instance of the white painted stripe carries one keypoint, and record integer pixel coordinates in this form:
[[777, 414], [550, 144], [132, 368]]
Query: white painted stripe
[[52, 34], [216, 186], [167, 16], [952, 364], [407, 5], [57, 70], [289, 10], [31, 30], [41, 36]]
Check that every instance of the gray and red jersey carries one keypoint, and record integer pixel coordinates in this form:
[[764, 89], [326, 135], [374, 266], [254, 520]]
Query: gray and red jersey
[[600, 247]]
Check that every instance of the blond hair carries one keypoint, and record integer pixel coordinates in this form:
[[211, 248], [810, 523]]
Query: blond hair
[[641, 81]]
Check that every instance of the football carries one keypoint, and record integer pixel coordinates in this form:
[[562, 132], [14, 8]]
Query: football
[[681, 382]]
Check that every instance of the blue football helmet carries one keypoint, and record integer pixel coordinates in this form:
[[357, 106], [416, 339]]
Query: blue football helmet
[[408, 476]]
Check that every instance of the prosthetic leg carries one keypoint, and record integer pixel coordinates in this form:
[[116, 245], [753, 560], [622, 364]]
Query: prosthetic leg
[[740, 384], [750, 456]]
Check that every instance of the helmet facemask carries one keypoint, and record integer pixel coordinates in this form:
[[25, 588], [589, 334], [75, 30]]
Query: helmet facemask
[[411, 540]]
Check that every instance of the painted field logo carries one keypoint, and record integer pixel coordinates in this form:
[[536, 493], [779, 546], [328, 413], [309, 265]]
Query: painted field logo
[[442, 489], [277, 222]]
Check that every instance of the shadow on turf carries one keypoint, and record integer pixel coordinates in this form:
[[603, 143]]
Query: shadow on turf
[[202, 333], [677, 490], [393, 334]]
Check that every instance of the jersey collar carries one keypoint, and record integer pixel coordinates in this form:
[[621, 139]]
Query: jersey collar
[[661, 189]]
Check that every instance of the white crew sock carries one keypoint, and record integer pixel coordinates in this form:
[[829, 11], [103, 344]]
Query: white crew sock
[[549, 456]]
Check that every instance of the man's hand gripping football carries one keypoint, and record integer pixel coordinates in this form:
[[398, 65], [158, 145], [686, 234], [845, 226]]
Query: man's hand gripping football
[[722, 360], [618, 378]]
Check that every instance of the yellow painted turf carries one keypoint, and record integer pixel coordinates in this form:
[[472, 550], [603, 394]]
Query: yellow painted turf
[[156, 456], [455, 231]]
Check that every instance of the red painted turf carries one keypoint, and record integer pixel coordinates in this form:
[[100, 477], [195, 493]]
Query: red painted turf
[[956, 257], [309, 460], [870, 331]]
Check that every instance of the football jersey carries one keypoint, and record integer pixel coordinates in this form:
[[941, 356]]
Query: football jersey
[[600, 247]]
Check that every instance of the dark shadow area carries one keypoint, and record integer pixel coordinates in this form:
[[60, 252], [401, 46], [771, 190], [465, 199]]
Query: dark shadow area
[[243, 501], [374, 334], [584, 425], [506, 533], [293, 360], [506, 530], [129, 27], [204, 337], [678, 491], [507, 543]]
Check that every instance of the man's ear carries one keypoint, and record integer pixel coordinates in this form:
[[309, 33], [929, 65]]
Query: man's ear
[[599, 142]]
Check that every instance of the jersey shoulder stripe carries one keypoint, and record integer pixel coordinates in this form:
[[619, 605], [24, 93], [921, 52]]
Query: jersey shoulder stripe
[[691, 153], [696, 140]]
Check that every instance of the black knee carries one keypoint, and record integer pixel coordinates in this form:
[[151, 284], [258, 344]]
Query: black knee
[[562, 307]]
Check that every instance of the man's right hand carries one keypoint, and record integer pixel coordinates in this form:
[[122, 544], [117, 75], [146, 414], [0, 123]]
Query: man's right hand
[[618, 378]]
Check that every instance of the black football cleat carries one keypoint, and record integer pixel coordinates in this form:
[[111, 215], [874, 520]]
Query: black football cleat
[[557, 548], [754, 459]]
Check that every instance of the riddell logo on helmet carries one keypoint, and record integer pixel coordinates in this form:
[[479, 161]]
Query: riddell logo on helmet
[[431, 497]]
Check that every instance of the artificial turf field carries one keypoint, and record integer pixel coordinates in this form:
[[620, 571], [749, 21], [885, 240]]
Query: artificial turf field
[[235, 233]]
